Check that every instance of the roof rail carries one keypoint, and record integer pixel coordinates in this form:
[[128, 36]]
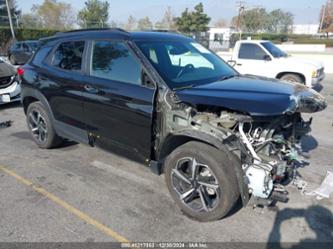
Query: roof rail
[[162, 30], [90, 29]]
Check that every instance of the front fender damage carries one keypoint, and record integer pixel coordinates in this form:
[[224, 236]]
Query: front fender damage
[[266, 147]]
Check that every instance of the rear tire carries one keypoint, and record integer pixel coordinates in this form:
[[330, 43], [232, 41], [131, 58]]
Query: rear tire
[[213, 191], [290, 77], [40, 126]]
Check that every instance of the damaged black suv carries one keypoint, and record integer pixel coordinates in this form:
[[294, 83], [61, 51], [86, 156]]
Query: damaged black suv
[[167, 101]]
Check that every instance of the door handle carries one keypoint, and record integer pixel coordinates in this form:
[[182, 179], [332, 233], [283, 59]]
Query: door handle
[[238, 64], [90, 89]]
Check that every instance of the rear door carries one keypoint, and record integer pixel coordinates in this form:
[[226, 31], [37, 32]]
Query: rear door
[[252, 59], [63, 81], [118, 103]]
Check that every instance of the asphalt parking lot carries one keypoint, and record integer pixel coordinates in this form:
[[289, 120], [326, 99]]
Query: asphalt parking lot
[[78, 194]]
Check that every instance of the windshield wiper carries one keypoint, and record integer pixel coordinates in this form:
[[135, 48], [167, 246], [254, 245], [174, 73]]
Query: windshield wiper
[[226, 77], [183, 87]]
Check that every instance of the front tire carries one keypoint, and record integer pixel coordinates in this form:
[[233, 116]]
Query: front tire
[[290, 77], [40, 126], [202, 181]]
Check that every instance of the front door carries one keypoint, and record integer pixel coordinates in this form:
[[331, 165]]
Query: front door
[[252, 59], [118, 102]]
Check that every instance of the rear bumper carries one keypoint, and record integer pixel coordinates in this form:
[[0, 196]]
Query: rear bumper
[[10, 93]]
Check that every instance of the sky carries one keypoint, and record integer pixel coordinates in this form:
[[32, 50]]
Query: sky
[[305, 11]]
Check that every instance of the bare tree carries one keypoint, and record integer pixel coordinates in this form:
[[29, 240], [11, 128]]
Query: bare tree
[[221, 23], [168, 21], [145, 24], [54, 15], [326, 18], [131, 23]]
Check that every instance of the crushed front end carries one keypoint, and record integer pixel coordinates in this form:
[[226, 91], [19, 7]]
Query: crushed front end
[[268, 146]]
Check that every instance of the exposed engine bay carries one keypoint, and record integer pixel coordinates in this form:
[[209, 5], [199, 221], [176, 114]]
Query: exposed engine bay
[[269, 147]]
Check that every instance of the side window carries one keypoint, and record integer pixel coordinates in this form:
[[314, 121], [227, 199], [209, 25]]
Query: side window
[[251, 52], [68, 55], [26, 47], [17, 46], [114, 61]]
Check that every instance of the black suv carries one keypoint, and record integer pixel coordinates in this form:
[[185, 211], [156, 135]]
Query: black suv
[[172, 104]]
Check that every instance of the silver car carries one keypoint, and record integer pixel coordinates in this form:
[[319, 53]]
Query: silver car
[[9, 86]]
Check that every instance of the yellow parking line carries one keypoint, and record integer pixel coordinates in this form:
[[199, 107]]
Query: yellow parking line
[[108, 231]]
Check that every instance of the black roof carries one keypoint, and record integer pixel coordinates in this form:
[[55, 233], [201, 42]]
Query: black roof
[[119, 34]]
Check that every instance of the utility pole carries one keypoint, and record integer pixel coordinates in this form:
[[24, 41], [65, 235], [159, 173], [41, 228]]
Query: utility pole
[[240, 7], [10, 20], [322, 18]]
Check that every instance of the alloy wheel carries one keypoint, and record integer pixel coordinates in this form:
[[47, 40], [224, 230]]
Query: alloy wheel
[[37, 125], [196, 185]]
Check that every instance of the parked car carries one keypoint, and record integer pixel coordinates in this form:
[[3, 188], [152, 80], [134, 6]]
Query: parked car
[[216, 135], [20, 52], [263, 58], [9, 86]]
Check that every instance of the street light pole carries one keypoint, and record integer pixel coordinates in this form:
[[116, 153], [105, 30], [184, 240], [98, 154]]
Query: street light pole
[[322, 18], [10, 20]]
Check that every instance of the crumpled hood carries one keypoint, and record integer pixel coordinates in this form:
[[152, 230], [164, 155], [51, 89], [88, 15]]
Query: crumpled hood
[[257, 96], [6, 70]]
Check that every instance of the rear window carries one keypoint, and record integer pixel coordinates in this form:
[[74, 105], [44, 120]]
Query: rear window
[[68, 55]]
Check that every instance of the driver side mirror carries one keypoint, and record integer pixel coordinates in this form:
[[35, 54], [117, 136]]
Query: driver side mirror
[[232, 63], [267, 58]]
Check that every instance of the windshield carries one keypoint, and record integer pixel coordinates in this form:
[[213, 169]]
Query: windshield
[[185, 63], [274, 50]]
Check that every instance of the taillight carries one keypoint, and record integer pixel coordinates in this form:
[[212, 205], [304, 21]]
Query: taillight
[[20, 71]]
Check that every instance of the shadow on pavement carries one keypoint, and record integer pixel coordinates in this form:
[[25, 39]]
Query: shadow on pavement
[[319, 219], [309, 143], [10, 105]]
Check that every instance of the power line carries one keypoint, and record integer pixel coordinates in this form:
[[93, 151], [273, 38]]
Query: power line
[[241, 7]]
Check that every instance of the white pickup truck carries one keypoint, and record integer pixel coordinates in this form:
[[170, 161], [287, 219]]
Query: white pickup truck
[[263, 58]]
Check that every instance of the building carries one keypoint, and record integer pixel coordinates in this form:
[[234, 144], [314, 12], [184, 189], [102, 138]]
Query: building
[[220, 34], [305, 29], [219, 38]]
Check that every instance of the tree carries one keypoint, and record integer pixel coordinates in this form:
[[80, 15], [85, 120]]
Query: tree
[[257, 19], [131, 23], [279, 21], [326, 17], [145, 24], [54, 15], [221, 23], [254, 20], [168, 21], [94, 14], [30, 21], [193, 21], [4, 21]]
